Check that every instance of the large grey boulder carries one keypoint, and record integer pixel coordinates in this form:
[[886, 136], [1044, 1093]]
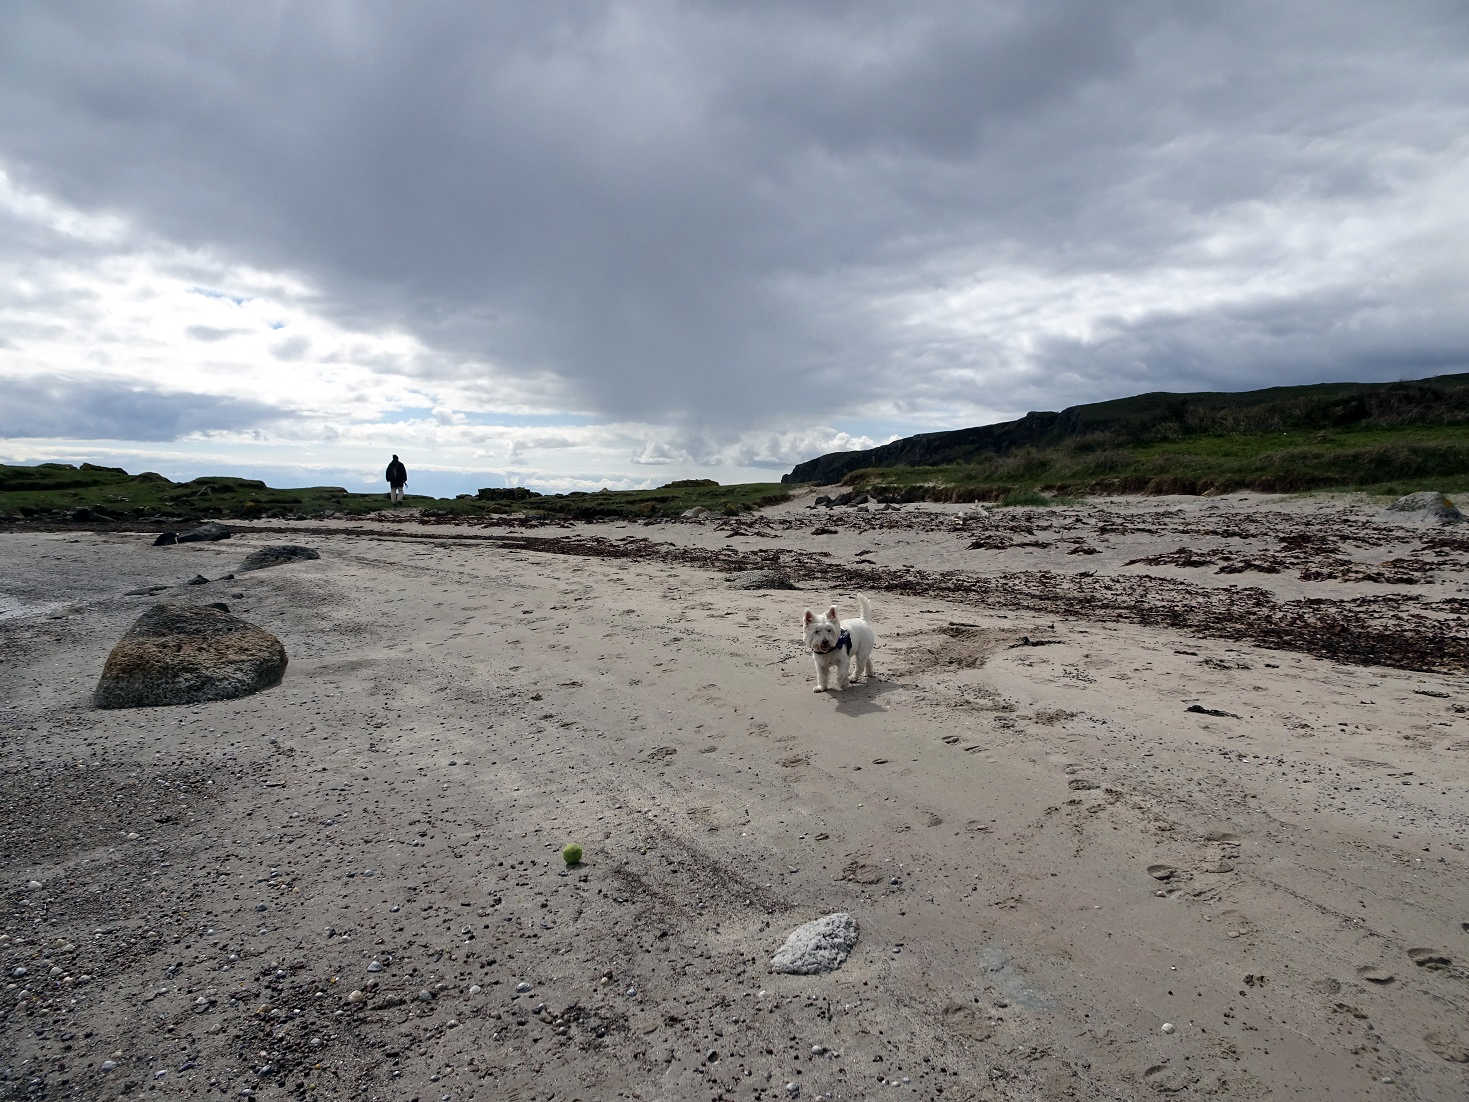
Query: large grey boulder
[[186, 654], [205, 533], [819, 946], [1429, 503], [276, 555]]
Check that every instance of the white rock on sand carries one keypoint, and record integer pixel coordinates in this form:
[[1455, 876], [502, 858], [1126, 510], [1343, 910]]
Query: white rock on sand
[[820, 945]]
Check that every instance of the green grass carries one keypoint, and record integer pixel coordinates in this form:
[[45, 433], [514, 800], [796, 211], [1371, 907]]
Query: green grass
[[55, 492], [1374, 460]]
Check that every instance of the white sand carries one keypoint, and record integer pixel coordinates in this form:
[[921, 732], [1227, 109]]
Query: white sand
[[457, 710]]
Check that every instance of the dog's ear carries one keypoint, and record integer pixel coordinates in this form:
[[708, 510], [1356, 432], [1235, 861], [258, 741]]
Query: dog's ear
[[810, 616], [831, 613]]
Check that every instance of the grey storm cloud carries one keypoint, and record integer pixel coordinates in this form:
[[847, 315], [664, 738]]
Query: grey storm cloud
[[688, 210], [86, 409]]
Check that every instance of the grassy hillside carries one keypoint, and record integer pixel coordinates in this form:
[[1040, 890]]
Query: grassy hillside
[[1376, 460], [54, 493], [1209, 434]]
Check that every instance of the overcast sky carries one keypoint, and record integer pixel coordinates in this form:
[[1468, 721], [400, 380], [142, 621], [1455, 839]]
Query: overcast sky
[[576, 245]]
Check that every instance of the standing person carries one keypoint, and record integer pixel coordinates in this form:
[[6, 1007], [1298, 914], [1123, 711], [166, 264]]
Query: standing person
[[397, 479]]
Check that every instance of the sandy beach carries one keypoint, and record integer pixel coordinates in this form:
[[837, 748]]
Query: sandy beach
[[1069, 885]]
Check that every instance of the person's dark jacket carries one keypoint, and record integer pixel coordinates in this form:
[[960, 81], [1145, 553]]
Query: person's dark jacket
[[397, 473]]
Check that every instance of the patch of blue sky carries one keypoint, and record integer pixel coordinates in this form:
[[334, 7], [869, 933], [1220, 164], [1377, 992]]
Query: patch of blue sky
[[210, 292]]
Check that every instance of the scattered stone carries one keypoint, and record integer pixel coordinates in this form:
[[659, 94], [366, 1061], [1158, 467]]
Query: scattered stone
[[187, 654], [1201, 710], [197, 579], [823, 531], [522, 987], [760, 579], [1168, 1027], [818, 946], [1431, 504], [356, 997], [375, 966], [277, 555], [205, 533]]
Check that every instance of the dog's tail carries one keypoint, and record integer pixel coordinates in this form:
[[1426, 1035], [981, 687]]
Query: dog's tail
[[865, 607]]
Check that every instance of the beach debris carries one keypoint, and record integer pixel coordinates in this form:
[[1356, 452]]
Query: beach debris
[[821, 945], [187, 654], [571, 855], [210, 532], [277, 554]]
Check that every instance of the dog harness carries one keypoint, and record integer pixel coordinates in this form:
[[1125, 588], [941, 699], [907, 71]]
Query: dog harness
[[844, 640]]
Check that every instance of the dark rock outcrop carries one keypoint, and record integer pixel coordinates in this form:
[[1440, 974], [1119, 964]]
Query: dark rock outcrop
[[276, 555], [187, 654], [166, 539], [205, 533]]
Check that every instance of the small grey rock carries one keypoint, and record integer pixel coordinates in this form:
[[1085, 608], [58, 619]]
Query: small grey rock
[[818, 946], [760, 579], [197, 579]]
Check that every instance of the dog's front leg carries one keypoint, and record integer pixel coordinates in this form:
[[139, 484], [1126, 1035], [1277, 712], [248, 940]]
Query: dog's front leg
[[820, 675]]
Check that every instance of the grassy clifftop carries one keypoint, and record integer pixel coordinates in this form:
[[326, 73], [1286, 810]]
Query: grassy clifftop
[[1302, 437], [62, 493]]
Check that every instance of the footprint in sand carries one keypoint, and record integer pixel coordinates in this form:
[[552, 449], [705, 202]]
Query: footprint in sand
[[1373, 974], [1082, 784], [1166, 1080], [950, 740], [1431, 959], [967, 1021], [860, 872], [934, 819], [794, 760], [1448, 1046]]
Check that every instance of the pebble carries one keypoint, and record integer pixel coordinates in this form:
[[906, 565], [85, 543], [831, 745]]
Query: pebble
[[375, 966], [1169, 1027], [522, 987], [475, 989], [793, 1088], [33, 884], [109, 1064], [356, 997]]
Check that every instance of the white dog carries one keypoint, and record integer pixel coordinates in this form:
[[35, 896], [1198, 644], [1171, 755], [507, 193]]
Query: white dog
[[833, 643]]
